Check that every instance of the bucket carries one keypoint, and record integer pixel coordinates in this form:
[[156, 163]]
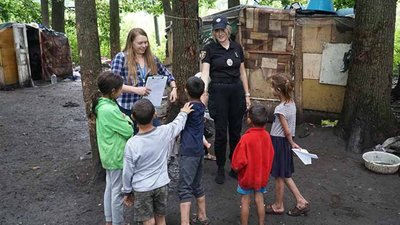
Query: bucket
[[381, 162], [321, 5]]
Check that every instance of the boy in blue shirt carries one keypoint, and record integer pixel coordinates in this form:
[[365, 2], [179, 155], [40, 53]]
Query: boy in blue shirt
[[192, 157]]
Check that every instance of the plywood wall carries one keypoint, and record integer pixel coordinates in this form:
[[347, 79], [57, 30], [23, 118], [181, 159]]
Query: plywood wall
[[314, 34], [267, 39], [8, 62]]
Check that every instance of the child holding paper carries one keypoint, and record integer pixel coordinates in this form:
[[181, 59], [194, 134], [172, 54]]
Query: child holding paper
[[282, 133]]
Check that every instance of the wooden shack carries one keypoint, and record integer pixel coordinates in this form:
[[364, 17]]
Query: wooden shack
[[309, 47], [29, 53]]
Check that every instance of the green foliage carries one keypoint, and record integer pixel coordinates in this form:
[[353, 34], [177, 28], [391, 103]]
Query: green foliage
[[21, 11], [340, 4]]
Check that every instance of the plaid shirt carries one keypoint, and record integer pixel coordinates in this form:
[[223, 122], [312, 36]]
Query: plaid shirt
[[118, 66]]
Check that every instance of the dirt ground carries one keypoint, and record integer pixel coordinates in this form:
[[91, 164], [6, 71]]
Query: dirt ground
[[45, 172]]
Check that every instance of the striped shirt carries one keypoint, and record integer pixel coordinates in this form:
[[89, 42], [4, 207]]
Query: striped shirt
[[119, 67], [288, 110]]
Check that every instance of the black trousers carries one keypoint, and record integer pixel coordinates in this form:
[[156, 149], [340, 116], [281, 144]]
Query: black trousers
[[227, 105]]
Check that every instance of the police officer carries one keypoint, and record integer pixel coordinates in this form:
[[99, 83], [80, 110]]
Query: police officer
[[227, 91]]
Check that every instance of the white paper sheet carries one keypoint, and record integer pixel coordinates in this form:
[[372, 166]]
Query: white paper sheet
[[304, 155], [157, 86]]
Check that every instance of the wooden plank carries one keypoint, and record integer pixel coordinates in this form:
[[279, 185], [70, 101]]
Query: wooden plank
[[275, 25], [271, 63], [259, 83], [268, 52], [315, 37], [298, 72], [6, 38], [255, 21], [279, 16], [279, 44], [311, 65], [263, 21], [249, 18], [259, 36], [329, 98]]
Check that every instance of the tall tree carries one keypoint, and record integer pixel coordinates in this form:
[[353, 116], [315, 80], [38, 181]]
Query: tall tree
[[44, 9], [57, 15], [88, 44], [185, 41], [366, 117], [167, 11], [115, 46]]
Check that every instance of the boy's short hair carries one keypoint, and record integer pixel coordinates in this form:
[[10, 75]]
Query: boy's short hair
[[195, 87], [143, 111], [258, 115]]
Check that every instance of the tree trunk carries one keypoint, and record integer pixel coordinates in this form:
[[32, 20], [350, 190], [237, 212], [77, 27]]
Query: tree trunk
[[396, 90], [167, 11], [44, 9], [233, 3], [367, 118], [57, 15], [185, 42], [114, 28], [88, 45]]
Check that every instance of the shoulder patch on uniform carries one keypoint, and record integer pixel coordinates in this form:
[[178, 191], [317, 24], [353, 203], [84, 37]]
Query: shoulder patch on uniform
[[202, 54]]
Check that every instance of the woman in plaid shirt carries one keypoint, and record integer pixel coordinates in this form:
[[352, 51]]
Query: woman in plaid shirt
[[134, 64]]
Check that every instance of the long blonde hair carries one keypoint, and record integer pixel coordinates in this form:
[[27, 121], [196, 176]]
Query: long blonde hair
[[284, 85], [130, 54]]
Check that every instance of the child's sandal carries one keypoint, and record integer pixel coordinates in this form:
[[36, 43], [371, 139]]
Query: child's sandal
[[196, 221], [297, 212]]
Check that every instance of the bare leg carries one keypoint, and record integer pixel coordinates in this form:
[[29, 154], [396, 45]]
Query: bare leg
[[259, 199], [279, 191], [160, 219], [185, 213], [201, 208], [244, 211], [149, 222], [301, 202]]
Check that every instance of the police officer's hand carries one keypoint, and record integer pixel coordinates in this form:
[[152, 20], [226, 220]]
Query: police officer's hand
[[204, 98], [248, 102]]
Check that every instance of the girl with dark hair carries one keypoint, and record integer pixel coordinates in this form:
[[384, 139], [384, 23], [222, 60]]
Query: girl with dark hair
[[282, 134], [113, 129]]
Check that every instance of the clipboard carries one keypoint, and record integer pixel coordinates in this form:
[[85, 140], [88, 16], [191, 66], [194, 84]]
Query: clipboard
[[304, 155], [157, 85]]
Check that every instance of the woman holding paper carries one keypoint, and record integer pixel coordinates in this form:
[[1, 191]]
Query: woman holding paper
[[282, 133], [134, 64]]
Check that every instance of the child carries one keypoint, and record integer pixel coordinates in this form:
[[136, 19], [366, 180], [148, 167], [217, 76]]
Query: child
[[113, 129], [192, 156], [145, 172], [252, 161], [282, 133], [206, 144]]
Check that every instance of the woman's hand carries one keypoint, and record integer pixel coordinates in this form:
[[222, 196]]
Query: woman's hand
[[143, 91], [173, 96], [204, 98], [248, 102]]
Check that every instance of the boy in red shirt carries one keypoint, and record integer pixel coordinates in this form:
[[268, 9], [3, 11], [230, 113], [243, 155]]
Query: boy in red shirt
[[252, 161]]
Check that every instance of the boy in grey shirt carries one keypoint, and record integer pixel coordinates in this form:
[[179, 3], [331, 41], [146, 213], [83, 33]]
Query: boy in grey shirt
[[145, 175]]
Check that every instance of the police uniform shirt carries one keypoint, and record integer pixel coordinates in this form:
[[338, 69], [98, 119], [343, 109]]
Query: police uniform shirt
[[224, 63]]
